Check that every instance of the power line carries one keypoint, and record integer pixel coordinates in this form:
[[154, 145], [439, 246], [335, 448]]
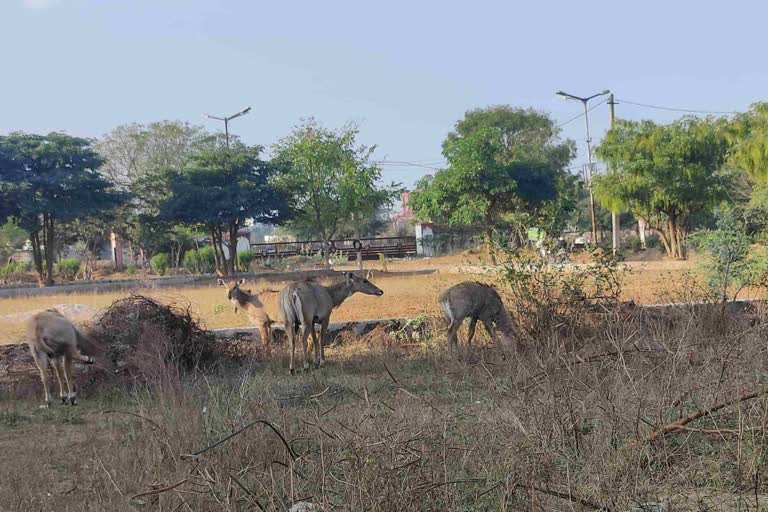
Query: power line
[[671, 109], [593, 107]]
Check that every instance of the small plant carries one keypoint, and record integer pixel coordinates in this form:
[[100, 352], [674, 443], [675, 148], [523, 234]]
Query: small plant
[[244, 259], [200, 261], [12, 269], [68, 268], [131, 270], [160, 263]]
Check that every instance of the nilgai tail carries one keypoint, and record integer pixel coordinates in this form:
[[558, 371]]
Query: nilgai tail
[[306, 303], [476, 301], [53, 339]]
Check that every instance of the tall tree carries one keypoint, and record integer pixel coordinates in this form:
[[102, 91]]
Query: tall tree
[[501, 160], [50, 179], [222, 189], [329, 177], [665, 174], [136, 158]]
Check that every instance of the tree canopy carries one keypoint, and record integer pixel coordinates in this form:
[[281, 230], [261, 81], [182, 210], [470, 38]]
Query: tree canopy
[[665, 174], [49, 179], [330, 179], [221, 189], [501, 160]]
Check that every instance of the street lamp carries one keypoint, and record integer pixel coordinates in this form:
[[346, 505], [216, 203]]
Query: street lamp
[[588, 174], [227, 120]]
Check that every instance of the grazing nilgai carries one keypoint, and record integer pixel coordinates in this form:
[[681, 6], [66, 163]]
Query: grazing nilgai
[[475, 301], [306, 303], [52, 338], [260, 311]]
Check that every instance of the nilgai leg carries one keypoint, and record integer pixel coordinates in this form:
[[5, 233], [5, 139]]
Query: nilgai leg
[[41, 360], [57, 365]]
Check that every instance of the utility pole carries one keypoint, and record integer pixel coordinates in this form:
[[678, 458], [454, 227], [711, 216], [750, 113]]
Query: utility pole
[[588, 173], [615, 227], [226, 120]]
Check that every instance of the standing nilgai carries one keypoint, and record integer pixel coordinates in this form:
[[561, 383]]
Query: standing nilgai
[[306, 303], [475, 301], [260, 310], [52, 338]]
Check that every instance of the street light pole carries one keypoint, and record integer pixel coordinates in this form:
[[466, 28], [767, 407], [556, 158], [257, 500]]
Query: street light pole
[[227, 120], [588, 173]]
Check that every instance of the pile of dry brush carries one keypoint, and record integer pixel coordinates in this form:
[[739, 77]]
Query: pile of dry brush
[[144, 337]]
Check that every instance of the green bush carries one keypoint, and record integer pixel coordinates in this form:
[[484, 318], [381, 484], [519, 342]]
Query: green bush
[[68, 268], [160, 263], [244, 259], [652, 241], [131, 270], [201, 261], [633, 243], [12, 269]]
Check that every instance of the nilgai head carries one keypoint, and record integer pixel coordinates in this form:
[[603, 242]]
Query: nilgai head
[[362, 284], [234, 293]]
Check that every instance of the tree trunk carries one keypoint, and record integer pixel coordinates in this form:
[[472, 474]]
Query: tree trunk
[[37, 257], [49, 249], [233, 229], [326, 252], [217, 257]]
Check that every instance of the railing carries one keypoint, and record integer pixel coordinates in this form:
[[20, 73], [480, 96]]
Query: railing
[[394, 246]]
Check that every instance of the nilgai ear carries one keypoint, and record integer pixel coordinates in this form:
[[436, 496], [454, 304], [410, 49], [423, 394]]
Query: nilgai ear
[[369, 275], [222, 283], [241, 282], [349, 275]]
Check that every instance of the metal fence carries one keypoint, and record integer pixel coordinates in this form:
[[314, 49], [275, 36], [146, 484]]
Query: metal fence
[[394, 246]]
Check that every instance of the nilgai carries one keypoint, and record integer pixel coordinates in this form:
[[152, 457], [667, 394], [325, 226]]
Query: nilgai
[[261, 308], [475, 301], [52, 338], [306, 303]]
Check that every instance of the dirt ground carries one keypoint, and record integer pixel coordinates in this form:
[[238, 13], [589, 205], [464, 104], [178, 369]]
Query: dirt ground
[[404, 296]]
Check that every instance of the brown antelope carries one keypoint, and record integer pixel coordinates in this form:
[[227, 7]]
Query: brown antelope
[[52, 338], [260, 310], [475, 301], [307, 303]]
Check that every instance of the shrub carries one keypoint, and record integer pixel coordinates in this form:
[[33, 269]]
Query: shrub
[[652, 241], [12, 269], [160, 263], [200, 261], [68, 268], [244, 259], [131, 270]]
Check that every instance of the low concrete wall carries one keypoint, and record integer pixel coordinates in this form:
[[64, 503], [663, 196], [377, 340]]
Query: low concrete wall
[[176, 282]]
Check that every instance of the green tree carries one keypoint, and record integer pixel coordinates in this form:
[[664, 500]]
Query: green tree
[[330, 180], [137, 159], [222, 189], [501, 161], [51, 179], [665, 174]]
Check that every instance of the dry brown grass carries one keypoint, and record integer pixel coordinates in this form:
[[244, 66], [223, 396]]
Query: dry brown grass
[[556, 425]]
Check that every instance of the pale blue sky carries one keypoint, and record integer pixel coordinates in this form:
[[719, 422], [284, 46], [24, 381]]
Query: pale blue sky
[[405, 70]]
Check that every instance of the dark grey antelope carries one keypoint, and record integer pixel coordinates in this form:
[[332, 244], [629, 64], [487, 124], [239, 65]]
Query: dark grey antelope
[[52, 338], [305, 304], [475, 301]]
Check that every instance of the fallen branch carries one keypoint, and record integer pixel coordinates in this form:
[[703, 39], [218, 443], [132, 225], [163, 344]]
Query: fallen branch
[[158, 491], [682, 422], [238, 432]]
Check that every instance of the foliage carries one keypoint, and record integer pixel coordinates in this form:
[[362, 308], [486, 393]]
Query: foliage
[[221, 189], [48, 180], [550, 297], [12, 238], [131, 270], [749, 134], [330, 181], [244, 259], [10, 269], [68, 268], [732, 265], [501, 161], [160, 263], [200, 261], [665, 174]]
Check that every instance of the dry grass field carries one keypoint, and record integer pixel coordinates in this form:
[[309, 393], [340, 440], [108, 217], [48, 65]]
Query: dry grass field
[[616, 409], [404, 296]]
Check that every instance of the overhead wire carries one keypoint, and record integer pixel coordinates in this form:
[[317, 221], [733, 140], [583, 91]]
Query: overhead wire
[[672, 109]]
